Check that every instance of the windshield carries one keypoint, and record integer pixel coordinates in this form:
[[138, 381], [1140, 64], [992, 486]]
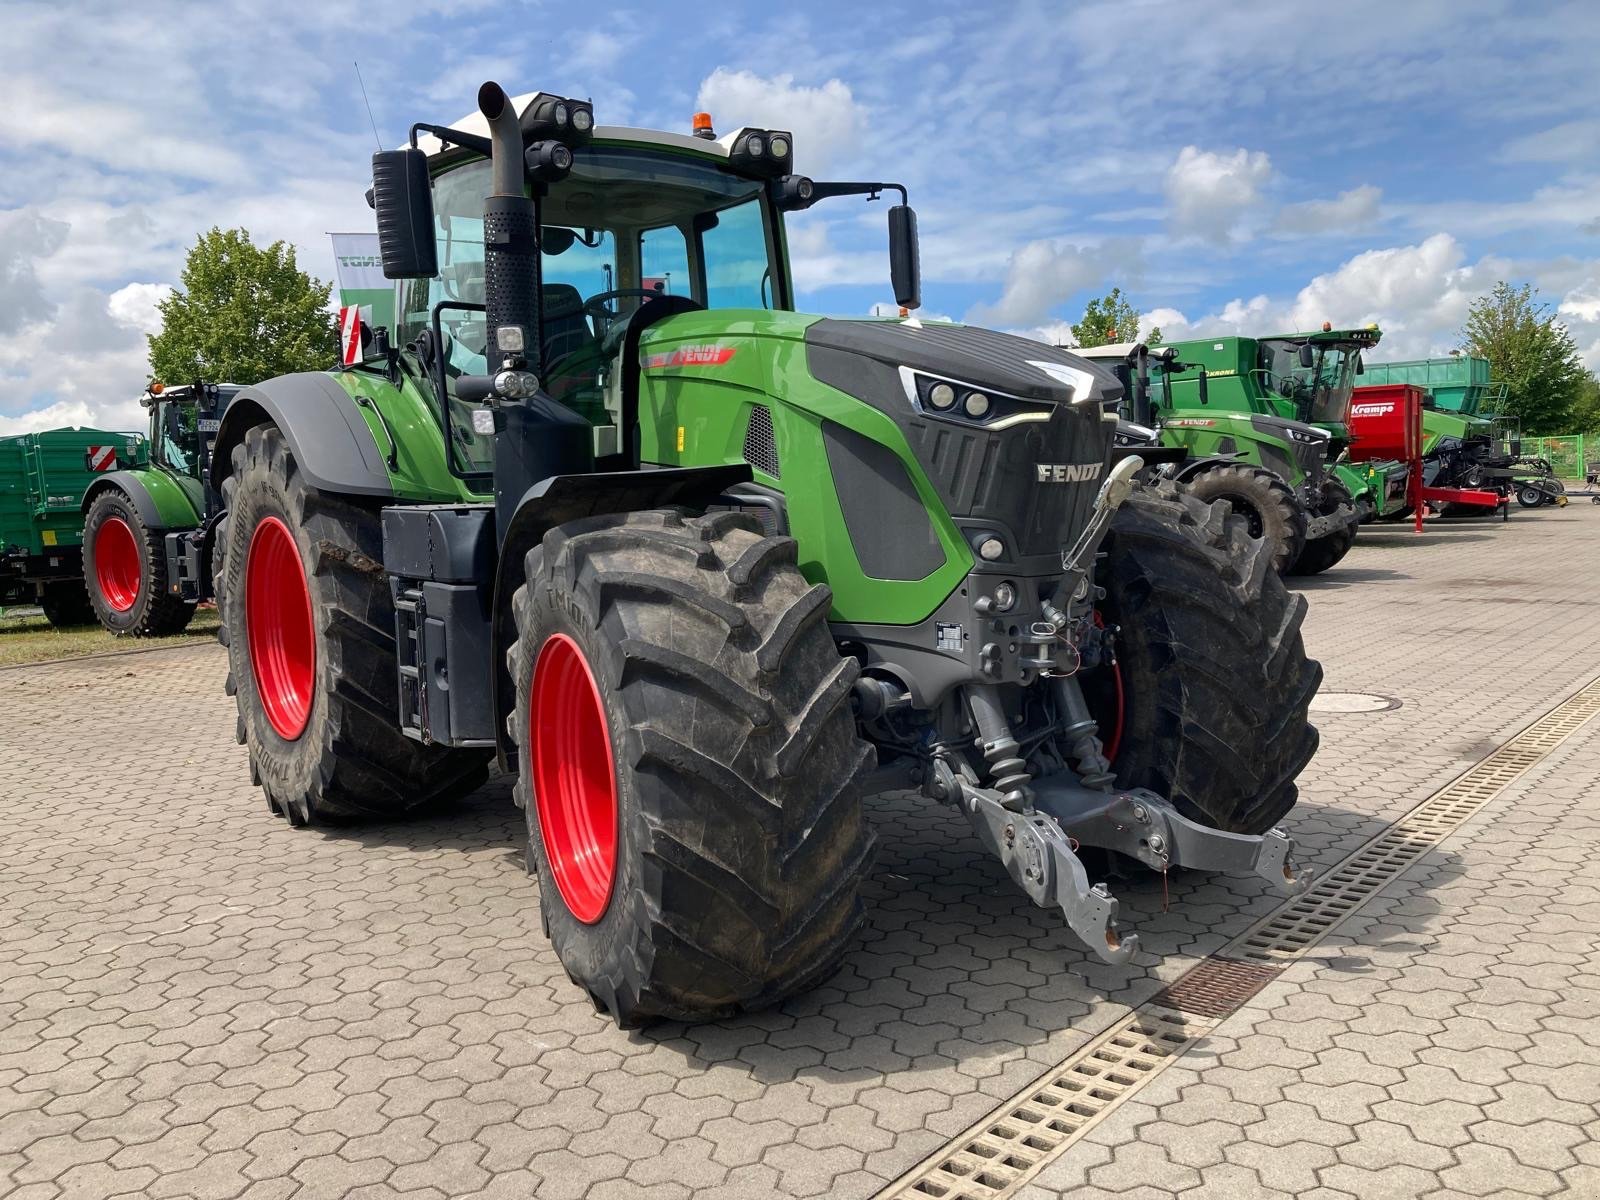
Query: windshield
[[177, 435], [1320, 392], [625, 225]]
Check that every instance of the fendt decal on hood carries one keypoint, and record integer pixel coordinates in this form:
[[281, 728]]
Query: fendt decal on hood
[[709, 355], [1068, 472]]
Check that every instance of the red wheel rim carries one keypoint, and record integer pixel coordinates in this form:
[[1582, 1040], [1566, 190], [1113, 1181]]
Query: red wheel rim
[[574, 778], [279, 627], [116, 564]]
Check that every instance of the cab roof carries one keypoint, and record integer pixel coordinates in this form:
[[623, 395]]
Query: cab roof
[[475, 122]]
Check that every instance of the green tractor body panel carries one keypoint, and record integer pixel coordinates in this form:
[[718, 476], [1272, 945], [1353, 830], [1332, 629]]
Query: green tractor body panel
[[43, 477], [415, 458], [164, 498]]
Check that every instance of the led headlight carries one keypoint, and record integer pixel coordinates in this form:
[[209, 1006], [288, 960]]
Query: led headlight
[[779, 145], [976, 404], [561, 115], [756, 146], [991, 548], [583, 120], [941, 395], [1005, 598]]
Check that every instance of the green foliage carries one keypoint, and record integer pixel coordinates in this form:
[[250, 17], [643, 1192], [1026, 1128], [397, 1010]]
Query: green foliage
[[243, 314], [1532, 352], [1110, 318], [1586, 412]]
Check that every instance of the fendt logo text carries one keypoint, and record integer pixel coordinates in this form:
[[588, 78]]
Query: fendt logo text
[[1068, 472]]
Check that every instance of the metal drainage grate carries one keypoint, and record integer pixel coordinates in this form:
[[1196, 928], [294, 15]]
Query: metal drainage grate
[[1216, 987], [995, 1157]]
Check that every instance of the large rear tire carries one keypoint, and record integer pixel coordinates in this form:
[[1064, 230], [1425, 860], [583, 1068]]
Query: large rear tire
[[1321, 553], [1267, 505], [1214, 679], [689, 764], [65, 604], [309, 625], [125, 571]]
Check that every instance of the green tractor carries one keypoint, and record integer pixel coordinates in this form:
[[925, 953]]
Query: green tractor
[[1262, 426], [703, 572], [148, 531]]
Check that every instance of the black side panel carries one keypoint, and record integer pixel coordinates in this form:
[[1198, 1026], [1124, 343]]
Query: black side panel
[[449, 543], [319, 419], [889, 526]]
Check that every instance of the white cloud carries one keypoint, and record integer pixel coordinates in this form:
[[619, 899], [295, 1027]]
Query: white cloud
[[1348, 210], [1569, 142], [136, 305], [826, 121], [1210, 193], [54, 416], [1043, 274]]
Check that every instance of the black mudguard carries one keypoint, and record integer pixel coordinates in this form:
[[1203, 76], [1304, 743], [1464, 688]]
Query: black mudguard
[[564, 498], [131, 486], [326, 431]]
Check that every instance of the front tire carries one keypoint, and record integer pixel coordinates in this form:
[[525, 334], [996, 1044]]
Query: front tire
[[1268, 506], [1214, 678], [65, 604], [309, 625], [689, 764], [1321, 553], [125, 571]]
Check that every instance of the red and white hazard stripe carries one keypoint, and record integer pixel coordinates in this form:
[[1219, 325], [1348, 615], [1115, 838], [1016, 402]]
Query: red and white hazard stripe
[[350, 333], [102, 458]]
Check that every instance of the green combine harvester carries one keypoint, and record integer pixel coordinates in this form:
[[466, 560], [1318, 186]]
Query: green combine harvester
[[1468, 441], [148, 530], [43, 477], [1262, 421], [704, 571]]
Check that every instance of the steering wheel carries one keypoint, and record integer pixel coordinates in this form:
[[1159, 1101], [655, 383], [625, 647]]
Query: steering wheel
[[595, 307]]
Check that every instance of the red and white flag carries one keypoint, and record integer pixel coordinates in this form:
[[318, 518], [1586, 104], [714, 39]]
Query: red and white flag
[[350, 334], [102, 458]]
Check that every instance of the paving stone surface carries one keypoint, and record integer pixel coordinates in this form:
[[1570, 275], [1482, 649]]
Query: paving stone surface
[[197, 1001]]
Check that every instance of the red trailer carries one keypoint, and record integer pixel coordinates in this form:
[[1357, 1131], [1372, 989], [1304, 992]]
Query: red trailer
[[1385, 424]]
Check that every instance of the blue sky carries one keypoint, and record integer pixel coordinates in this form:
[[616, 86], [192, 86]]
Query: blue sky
[[1231, 166]]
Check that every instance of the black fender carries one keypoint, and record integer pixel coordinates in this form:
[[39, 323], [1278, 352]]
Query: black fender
[[321, 423], [563, 498], [1196, 466], [131, 486]]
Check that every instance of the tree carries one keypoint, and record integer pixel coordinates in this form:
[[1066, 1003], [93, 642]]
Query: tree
[[1110, 318], [243, 314], [1532, 352], [1586, 412]]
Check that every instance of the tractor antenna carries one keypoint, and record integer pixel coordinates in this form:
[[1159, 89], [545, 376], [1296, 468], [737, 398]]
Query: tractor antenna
[[368, 103]]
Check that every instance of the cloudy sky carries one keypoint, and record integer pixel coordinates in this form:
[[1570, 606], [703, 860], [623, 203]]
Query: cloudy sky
[[1232, 165]]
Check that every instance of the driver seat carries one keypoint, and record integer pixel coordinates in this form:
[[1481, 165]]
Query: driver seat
[[571, 351]]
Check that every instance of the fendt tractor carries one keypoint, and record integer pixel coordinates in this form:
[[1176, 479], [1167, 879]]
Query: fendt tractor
[[42, 479], [148, 530], [1262, 423], [703, 572]]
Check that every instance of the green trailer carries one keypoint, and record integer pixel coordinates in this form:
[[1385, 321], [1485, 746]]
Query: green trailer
[[43, 477]]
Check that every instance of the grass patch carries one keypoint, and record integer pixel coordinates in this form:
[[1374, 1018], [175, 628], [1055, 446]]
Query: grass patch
[[26, 637]]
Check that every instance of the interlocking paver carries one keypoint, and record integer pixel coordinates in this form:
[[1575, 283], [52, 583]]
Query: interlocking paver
[[196, 1000]]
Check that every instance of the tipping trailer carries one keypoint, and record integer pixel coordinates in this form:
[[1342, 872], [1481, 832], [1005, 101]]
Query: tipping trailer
[[694, 564], [43, 477]]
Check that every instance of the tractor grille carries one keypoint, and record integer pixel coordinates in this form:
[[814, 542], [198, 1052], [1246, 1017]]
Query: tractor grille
[[760, 445]]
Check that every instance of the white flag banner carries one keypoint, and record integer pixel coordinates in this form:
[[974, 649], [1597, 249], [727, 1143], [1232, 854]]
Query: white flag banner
[[356, 260]]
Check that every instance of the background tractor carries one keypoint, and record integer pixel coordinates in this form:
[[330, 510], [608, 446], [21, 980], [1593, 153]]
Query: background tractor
[[148, 529], [691, 564], [43, 477], [1276, 472]]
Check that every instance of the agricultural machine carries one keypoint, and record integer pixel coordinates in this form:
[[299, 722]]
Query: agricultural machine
[[1467, 442], [148, 530], [43, 477], [1277, 470], [702, 571], [1386, 425]]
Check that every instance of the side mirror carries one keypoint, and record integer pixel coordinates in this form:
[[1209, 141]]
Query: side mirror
[[1308, 355], [1205, 395], [905, 268], [403, 200]]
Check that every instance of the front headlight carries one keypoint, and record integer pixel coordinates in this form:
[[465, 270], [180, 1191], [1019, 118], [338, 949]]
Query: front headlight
[[953, 400]]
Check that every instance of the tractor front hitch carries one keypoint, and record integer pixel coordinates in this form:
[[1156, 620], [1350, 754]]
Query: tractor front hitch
[[1146, 827], [1330, 523]]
